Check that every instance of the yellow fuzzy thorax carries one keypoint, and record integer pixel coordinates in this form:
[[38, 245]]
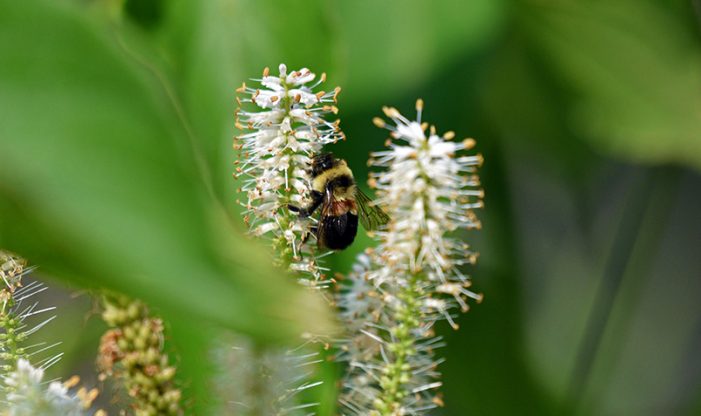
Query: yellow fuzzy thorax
[[320, 182]]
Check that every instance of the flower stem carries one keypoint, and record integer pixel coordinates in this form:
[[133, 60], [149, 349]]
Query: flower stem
[[398, 372]]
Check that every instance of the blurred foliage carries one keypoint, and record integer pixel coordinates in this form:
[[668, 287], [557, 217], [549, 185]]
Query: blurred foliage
[[115, 165]]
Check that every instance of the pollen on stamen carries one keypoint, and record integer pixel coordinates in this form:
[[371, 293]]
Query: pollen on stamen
[[468, 143], [390, 112], [419, 104], [266, 71], [336, 91], [449, 135], [378, 122], [241, 89], [331, 108]]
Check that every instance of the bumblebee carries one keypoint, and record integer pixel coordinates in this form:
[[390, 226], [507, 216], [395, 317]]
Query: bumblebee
[[342, 204]]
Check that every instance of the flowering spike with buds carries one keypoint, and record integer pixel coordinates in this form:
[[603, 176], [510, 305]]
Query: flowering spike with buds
[[288, 122], [396, 292], [20, 317], [289, 126], [22, 391]]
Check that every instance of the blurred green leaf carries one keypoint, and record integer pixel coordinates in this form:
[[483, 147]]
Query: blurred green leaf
[[389, 47], [364, 46], [635, 70], [99, 186]]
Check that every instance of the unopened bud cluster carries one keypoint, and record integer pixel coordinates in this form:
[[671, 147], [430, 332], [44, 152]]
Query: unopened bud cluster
[[414, 277], [132, 351]]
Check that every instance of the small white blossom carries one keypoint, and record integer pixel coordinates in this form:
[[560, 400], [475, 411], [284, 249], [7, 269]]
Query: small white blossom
[[413, 278]]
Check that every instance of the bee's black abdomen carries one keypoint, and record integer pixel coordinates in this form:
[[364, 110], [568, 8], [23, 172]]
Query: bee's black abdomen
[[338, 231]]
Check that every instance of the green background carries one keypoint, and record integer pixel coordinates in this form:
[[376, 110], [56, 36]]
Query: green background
[[115, 171]]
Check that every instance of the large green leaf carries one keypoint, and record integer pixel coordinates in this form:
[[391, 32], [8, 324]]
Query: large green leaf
[[635, 70], [99, 185]]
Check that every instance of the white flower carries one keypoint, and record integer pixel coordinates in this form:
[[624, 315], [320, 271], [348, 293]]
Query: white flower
[[413, 277]]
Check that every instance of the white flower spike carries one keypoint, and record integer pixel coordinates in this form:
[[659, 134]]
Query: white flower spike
[[289, 127], [429, 187], [287, 123]]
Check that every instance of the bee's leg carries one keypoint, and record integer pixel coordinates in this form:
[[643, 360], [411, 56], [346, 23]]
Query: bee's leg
[[317, 198], [312, 230]]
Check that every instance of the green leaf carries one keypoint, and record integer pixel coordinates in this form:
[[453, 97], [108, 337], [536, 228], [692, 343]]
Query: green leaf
[[99, 185], [635, 69]]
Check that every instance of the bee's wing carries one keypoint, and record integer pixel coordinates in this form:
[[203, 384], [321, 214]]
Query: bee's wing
[[326, 205], [371, 216]]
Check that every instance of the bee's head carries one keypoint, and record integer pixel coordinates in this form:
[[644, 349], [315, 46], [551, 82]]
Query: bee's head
[[322, 163]]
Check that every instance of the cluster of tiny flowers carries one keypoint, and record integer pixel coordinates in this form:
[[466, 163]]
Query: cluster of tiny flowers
[[413, 278], [287, 127], [132, 351], [30, 396], [264, 382]]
